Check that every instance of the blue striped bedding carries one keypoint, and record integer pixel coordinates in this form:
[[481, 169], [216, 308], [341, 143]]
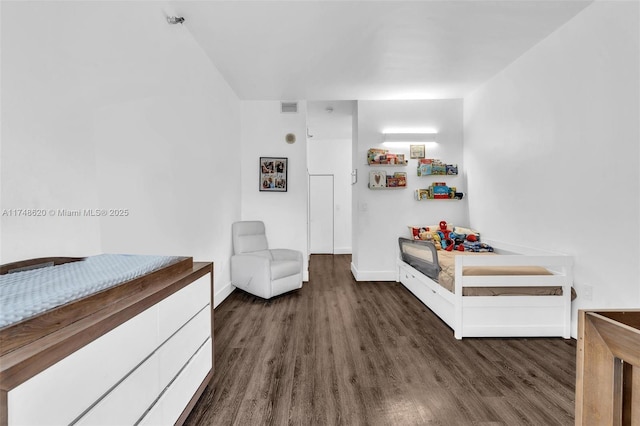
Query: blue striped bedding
[[28, 293]]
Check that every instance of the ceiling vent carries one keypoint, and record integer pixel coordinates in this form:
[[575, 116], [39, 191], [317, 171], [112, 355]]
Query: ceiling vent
[[288, 107]]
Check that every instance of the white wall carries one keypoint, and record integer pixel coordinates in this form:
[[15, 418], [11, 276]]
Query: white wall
[[383, 215], [105, 105], [551, 149], [47, 156], [264, 129]]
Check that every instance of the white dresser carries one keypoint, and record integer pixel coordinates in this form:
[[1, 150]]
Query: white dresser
[[150, 369]]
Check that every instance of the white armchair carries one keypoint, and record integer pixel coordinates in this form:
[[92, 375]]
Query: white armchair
[[256, 269]]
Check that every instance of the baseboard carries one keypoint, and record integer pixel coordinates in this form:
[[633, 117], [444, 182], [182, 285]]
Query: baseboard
[[222, 294], [342, 250], [373, 275]]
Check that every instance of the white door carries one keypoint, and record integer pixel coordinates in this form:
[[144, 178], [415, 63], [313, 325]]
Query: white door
[[321, 214]]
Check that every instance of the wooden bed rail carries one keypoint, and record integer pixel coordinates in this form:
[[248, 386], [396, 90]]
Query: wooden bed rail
[[23, 265], [608, 368]]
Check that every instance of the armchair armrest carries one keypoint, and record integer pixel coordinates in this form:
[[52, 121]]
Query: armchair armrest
[[286, 254]]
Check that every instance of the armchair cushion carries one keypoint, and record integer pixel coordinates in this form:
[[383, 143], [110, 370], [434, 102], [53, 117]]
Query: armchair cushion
[[248, 237]]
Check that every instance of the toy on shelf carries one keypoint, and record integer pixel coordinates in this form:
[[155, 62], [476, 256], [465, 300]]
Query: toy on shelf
[[377, 156], [452, 169], [433, 166], [438, 191]]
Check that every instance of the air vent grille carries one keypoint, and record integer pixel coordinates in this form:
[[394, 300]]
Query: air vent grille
[[288, 107]]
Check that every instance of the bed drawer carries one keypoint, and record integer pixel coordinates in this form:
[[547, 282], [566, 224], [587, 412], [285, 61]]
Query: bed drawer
[[127, 403], [428, 292], [416, 285]]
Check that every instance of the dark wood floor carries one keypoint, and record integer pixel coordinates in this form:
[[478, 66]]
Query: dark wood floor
[[369, 353]]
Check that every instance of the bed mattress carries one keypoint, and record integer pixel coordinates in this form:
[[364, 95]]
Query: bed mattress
[[27, 293]]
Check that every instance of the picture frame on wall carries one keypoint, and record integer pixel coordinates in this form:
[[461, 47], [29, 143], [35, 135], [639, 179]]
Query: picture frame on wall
[[417, 151], [273, 174]]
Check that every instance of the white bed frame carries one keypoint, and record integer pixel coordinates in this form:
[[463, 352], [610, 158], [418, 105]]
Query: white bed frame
[[499, 316]]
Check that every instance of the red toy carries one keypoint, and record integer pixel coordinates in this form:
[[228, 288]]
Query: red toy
[[452, 241], [447, 237]]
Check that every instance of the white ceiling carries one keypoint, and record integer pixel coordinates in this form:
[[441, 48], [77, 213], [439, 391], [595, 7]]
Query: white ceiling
[[343, 50]]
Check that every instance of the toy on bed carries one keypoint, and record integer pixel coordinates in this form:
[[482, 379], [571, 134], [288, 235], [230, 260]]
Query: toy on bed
[[446, 236]]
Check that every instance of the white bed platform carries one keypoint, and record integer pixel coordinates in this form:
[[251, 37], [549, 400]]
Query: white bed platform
[[499, 316]]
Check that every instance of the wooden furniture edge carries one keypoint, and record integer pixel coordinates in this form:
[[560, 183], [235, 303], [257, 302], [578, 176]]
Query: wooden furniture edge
[[4, 415], [614, 354], [25, 362], [21, 264], [622, 340], [196, 396], [24, 332], [629, 317], [580, 368]]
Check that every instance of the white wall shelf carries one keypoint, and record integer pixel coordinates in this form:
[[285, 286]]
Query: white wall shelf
[[387, 187]]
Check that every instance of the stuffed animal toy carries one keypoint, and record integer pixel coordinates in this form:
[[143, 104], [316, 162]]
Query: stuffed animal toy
[[455, 239], [458, 240], [471, 235], [445, 236], [424, 234], [436, 240]]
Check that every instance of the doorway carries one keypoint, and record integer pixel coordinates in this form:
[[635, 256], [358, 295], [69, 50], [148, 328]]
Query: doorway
[[329, 152], [321, 218]]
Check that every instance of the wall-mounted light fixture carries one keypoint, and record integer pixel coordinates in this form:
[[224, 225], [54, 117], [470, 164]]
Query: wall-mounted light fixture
[[410, 137]]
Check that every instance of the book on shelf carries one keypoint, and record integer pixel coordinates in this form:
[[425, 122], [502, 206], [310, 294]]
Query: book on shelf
[[374, 155], [433, 166], [401, 177]]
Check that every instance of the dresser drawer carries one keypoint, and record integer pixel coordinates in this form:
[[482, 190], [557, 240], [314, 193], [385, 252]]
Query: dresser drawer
[[177, 309], [177, 352], [129, 401], [172, 402], [65, 390]]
